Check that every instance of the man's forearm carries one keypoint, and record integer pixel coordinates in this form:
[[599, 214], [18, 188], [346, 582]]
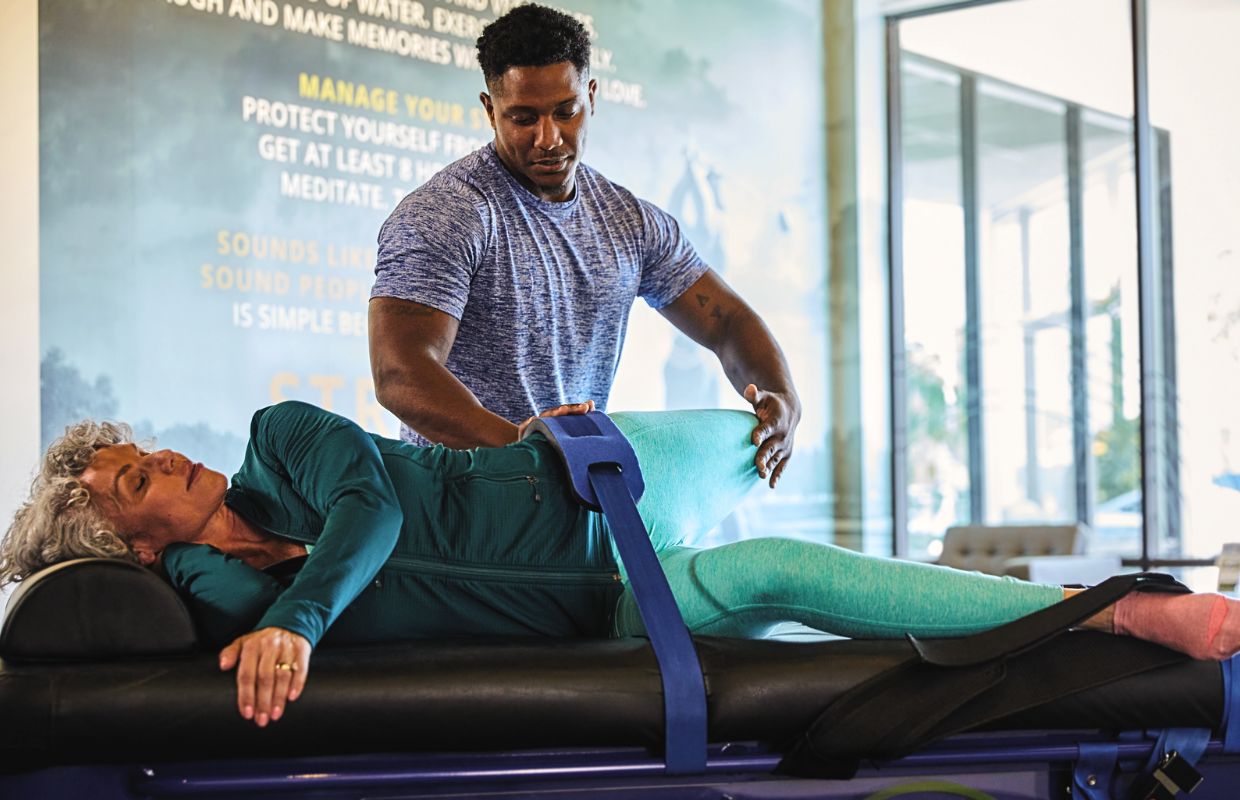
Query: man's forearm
[[714, 316], [434, 403], [749, 354]]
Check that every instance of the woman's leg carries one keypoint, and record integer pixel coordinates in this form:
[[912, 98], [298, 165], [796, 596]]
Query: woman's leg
[[746, 588], [697, 465]]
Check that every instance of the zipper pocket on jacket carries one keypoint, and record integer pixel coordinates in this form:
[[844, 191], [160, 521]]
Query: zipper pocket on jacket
[[532, 480], [494, 573]]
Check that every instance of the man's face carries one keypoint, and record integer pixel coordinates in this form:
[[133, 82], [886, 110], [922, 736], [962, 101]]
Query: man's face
[[539, 115]]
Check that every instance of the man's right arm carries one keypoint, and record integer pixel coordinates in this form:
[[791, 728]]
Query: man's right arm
[[409, 343]]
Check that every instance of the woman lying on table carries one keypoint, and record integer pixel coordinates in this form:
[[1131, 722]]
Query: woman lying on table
[[328, 533]]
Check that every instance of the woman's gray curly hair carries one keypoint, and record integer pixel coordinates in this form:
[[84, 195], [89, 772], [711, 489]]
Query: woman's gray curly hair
[[59, 522]]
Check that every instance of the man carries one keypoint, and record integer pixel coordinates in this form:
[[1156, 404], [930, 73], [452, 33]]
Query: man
[[504, 284]]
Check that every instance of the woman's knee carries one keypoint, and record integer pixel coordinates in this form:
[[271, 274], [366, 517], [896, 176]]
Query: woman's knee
[[698, 466]]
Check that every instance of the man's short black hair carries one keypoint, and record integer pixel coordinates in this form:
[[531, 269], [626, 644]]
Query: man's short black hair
[[532, 36]]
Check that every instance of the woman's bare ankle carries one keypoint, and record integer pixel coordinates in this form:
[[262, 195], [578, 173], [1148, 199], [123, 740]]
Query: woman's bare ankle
[[1103, 621]]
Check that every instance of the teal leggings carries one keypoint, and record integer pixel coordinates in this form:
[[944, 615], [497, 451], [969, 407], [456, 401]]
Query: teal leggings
[[698, 465]]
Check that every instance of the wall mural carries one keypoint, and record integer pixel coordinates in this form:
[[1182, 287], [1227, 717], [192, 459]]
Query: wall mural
[[215, 172]]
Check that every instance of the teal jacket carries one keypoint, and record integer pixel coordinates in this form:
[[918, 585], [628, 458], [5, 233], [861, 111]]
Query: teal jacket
[[406, 541]]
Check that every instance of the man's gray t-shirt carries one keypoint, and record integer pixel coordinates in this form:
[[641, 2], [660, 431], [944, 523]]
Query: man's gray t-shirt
[[542, 290]]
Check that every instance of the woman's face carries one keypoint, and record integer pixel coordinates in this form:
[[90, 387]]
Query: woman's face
[[153, 499]]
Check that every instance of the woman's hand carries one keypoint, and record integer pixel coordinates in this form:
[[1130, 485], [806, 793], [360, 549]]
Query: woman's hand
[[558, 411], [272, 664]]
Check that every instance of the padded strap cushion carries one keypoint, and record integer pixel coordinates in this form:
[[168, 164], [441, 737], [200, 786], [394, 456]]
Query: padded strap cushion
[[95, 608], [585, 441]]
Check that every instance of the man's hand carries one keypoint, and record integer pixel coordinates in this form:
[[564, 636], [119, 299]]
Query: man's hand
[[778, 415], [558, 411], [272, 664]]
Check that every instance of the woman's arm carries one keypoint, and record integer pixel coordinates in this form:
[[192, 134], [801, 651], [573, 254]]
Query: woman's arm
[[228, 597], [334, 467]]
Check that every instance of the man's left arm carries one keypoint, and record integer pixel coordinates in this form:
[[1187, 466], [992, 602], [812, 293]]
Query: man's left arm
[[714, 316]]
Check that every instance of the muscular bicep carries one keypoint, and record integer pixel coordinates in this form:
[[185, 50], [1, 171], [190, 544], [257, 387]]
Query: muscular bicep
[[409, 345], [704, 311], [404, 333]]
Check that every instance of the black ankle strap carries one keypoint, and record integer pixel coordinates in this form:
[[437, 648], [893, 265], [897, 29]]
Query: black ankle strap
[[953, 685], [1026, 632]]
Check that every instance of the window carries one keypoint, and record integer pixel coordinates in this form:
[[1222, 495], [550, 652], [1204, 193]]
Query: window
[[1193, 62], [1018, 274]]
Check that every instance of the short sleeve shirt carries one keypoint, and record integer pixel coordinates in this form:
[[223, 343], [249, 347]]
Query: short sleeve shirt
[[542, 291]]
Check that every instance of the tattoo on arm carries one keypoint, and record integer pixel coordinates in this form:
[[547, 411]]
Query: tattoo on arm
[[704, 300]]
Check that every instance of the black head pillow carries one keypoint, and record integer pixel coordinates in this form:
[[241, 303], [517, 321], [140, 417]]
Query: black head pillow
[[95, 608]]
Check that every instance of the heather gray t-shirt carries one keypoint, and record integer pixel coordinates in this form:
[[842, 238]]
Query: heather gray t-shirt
[[542, 290]]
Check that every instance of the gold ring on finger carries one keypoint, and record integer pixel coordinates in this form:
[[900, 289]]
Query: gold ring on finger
[[286, 666]]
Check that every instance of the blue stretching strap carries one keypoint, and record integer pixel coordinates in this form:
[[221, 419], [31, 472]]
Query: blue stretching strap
[[1094, 769], [1231, 705], [1190, 743], [605, 476]]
